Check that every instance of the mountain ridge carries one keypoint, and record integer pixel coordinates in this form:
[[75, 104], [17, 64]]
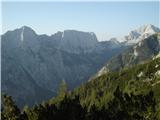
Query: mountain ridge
[[49, 62]]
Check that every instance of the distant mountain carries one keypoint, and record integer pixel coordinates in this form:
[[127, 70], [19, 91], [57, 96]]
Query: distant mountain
[[34, 65], [136, 54], [139, 34]]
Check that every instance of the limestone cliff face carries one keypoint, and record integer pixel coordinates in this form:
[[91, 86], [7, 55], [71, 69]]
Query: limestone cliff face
[[34, 65], [78, 42]]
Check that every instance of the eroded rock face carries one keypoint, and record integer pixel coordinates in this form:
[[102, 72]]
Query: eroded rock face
[[139, 34], [34, 65], [78, 42]]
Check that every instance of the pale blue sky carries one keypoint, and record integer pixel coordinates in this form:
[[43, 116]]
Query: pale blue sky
[[106, 19]]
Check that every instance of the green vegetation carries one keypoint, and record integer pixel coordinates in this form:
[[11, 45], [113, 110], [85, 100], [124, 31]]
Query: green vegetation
[[130, 94]]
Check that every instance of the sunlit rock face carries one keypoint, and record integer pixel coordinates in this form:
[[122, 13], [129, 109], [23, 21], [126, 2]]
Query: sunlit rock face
[[139, 34]]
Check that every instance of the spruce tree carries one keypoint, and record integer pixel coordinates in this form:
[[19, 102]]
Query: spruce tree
[[10, 111]]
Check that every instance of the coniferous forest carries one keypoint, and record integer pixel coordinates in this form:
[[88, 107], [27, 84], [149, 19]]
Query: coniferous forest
[[122, 95]]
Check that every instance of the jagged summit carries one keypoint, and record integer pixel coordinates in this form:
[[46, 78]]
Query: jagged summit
[[146, 29], [139, 34], [149, 28]]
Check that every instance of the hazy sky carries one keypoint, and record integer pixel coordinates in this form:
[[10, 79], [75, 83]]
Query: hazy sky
[[106, 19]]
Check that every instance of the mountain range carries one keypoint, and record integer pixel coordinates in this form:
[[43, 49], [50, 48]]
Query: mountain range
[[34, 65]]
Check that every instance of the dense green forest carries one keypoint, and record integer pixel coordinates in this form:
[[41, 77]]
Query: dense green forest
[[130, 94]]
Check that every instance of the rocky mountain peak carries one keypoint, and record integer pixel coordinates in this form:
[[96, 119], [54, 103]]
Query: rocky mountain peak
[[147, 28], [77, 41], [27, 29], [139, 34]]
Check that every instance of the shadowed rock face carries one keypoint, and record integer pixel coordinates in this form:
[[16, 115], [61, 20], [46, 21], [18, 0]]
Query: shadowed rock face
[[34, 65]]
